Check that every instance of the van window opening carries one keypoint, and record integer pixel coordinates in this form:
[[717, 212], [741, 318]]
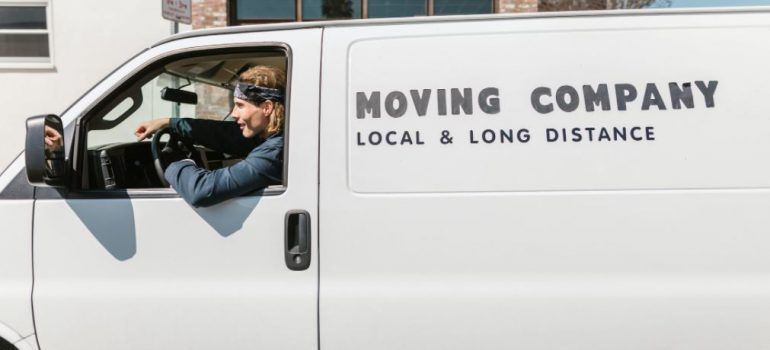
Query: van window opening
[[199, 87]]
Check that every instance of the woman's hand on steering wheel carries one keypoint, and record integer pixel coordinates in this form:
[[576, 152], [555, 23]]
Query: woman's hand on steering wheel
[[150, 127], [174, 150]]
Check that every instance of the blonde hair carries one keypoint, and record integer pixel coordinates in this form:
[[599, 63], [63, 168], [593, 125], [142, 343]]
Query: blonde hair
[[273, 78]]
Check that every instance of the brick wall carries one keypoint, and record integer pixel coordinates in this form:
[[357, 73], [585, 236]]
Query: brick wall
[[209, 13], [508, 6]]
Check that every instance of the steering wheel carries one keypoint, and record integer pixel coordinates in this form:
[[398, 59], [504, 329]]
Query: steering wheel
[[174, 145]]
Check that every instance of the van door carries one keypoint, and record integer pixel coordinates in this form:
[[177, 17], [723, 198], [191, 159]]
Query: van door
[[138, 268]]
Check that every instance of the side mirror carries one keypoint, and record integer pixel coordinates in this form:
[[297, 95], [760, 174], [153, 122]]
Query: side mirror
[[44, 152], [179, 96]]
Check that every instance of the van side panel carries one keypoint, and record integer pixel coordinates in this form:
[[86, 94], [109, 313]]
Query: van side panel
[[478, 240], [15, 267]]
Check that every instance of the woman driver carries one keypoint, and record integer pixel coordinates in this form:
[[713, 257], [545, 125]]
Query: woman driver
[[256, 135]]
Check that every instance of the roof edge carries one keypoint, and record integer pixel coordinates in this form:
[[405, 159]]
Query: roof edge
[[458, 18]]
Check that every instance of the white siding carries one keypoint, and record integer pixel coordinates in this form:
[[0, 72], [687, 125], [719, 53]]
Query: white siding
[[90, 38]]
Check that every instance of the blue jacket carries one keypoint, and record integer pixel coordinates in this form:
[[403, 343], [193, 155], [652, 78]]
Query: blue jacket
[[262, 165]]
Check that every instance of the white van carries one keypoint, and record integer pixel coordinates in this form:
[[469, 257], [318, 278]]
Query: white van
[[546, 181]]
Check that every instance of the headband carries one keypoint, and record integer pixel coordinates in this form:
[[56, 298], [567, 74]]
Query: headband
[[257, 94]]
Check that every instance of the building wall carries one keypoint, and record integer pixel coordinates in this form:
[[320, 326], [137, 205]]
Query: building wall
[[90, 39], [209, 13], [509, 6]]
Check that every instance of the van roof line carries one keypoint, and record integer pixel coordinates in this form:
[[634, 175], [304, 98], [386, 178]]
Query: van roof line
[[457, 18]]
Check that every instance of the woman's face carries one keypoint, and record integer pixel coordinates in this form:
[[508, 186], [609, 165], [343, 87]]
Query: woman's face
[[253, 119]]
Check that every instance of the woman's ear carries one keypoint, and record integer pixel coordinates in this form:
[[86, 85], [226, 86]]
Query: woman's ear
[[267, 107]]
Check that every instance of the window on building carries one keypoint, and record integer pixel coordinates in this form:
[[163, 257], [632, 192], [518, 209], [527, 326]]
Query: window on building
[[397, 8], [266, 11], [24, 34], [330, 9], [461, 7]]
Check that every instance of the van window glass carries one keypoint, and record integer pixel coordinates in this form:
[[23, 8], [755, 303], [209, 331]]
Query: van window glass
[[119, 110], [154, 107]]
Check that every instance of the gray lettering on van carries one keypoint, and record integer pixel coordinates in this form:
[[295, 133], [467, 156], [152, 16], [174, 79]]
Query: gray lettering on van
[[366, 105], [441, 101], [708, 91], [652, 97], [489, 102], [462, 99], [375, 138], [536, 101], [395, 112], [574, 98], [624, 93], [420, 102], [595, 98], [604, 135], [389, 140], [681, 95], [650, 132]]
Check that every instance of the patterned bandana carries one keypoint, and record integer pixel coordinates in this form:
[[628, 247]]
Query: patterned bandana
[[257, 94]]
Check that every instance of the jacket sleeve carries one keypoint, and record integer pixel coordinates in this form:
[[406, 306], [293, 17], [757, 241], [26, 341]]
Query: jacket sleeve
[[222, 136], [202, 188]]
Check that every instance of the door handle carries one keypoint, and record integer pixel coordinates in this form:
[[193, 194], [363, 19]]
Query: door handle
[[297, 240]]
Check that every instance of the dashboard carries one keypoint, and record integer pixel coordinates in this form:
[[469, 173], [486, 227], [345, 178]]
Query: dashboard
[[130, 165]]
